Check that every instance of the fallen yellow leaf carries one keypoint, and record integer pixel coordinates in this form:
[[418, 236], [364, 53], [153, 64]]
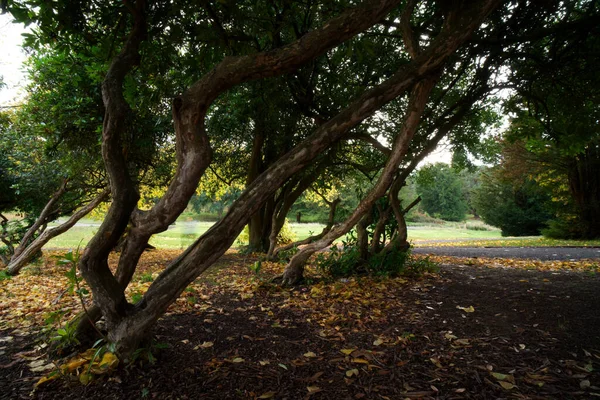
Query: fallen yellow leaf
[[267, 395], [204, 345], [85, 378], [506, 385], [313, 389]]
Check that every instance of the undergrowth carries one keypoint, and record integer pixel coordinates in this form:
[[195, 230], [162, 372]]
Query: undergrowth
[[346, 262]]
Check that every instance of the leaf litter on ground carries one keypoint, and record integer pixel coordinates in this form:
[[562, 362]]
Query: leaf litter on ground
[[333, 337]]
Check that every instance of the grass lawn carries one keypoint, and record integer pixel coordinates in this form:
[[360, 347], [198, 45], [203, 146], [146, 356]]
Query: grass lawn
[[183, 233], [178, 236]]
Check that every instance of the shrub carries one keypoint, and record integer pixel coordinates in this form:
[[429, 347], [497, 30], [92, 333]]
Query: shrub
[[346, 262], [518, 209]]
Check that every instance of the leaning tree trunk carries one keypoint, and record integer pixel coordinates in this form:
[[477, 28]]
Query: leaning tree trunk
[[288, 196], [28, 252], [295, 269], [129, 324], [41, 221]]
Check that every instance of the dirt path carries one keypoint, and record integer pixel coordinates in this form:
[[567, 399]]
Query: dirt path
[[467, 333]]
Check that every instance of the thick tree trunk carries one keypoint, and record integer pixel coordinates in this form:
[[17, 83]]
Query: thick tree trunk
[[129, 324], [362, 236], [27, 253], [259, 229], [288, 196]]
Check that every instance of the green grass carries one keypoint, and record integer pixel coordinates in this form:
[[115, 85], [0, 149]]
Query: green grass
[[178, 236], [449, 232], [184, 233]]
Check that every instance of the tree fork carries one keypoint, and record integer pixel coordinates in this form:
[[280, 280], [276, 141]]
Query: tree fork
[[294, 270]]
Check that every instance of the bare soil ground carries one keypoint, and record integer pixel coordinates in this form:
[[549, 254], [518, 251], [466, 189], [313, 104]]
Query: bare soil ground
[[478, 331]]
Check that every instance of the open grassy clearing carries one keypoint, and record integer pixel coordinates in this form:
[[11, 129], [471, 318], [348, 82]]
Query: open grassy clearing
[[472, 233], [178, 236]]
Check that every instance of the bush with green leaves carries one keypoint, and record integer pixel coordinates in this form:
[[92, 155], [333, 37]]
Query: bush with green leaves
[[517, 208], [345, 261]]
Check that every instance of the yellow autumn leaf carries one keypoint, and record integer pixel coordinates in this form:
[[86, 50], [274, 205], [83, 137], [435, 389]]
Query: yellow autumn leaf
[[506, 385], [352, 372], [204, 345], [378, 342], [347, 351], [85, 378], [313, 389], [109, 361], [499, 376], [238, 360], [436, 362], [74, 364], [47, 378], [267, 395], [309, 354], [469, 309]]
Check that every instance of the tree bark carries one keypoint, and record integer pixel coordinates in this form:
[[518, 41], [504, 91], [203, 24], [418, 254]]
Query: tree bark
[[290, 193], [362, 236], [41, 220], [28, 252]]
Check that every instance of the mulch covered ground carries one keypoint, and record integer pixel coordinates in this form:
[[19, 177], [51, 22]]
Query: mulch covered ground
[[477, 330]]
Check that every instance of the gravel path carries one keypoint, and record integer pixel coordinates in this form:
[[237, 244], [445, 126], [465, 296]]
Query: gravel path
[[538, 253]]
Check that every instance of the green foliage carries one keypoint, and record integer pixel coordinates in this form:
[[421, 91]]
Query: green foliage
[[148, 353], [286, 234], [136, 297], [340, 263], [441, 192], [71, 260], [555, 117], [147, 277], [346, 261], [4, 276], [66, 337], [517, 208], [256, 267], [286, 255]]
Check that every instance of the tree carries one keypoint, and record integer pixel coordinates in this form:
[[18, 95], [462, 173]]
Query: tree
[[441, 192], [555, 114], [52, 161], [518, 207], [439, 31]]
